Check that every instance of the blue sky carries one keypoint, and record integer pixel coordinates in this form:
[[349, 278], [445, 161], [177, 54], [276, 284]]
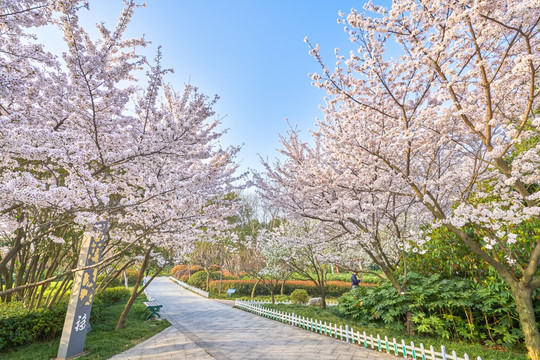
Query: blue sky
[[250, 53]]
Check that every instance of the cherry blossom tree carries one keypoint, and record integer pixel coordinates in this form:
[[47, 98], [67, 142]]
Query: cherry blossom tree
[[448, 122], [80, 142], [312, 184], [275, 268], [307, 247]]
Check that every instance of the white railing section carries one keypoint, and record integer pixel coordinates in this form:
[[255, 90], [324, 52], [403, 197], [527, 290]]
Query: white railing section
[[347, 334], [189, 287]]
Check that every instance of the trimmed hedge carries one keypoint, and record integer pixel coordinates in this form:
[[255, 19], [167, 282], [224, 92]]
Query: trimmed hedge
[[19, 325], [244, 287], [199, 279]]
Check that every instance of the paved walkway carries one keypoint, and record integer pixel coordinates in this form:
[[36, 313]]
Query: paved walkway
[[207, 329]]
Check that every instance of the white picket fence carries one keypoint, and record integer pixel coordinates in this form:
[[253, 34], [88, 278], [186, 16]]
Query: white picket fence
[[288, 302], [349, 335], [189, 287]]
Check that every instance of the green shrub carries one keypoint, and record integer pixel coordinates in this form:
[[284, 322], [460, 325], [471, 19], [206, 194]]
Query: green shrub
[[299, 296], [199, 279], [19, 325], [113, 295], [456, 309]]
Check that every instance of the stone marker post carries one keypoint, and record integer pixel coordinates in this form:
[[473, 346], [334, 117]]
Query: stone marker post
[[80, 303]]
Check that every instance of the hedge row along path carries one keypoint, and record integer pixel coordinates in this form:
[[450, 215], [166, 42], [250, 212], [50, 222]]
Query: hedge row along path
[[208, 329]]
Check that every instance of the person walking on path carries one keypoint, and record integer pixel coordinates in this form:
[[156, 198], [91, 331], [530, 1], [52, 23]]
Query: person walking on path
[[354, 279]]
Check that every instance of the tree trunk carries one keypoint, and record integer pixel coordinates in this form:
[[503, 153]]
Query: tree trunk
[[283, 283], [127, 308], [323, 297], [527, 319], [272, 294], [220, 278], [522, 295], [134, 293], [254, 287], [409, 323]]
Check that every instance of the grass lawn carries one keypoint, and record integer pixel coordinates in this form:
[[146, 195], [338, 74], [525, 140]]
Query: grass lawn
[[103, 341], [332, 316]]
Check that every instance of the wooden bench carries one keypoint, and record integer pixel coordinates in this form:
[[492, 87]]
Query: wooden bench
[[231, 291], [153, 307]]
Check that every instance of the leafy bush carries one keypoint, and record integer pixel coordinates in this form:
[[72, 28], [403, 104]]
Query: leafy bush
[[199, 279], [19, 325], [299, 296], [456, 309], [113, 295]]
